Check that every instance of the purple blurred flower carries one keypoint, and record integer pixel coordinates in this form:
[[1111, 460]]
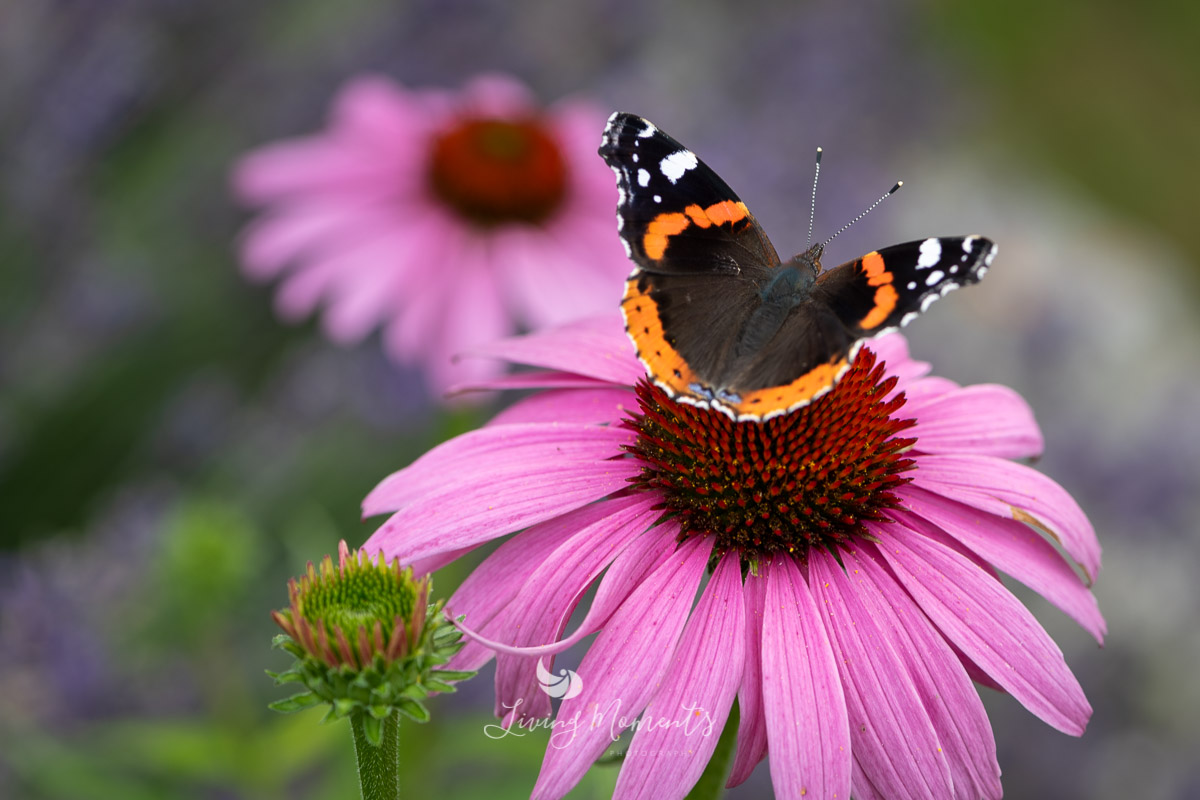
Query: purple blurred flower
[[449, 218]]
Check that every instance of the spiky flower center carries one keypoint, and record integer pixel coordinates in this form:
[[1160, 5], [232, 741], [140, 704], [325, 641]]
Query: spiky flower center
[[496, 171], [350, 613], [806, 479]]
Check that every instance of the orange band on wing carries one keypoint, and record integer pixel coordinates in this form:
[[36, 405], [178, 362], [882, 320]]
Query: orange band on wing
[[660, 229], [644, 326], [877, 273], [664, 226], [727, 212], [802, 390], [886, 295]]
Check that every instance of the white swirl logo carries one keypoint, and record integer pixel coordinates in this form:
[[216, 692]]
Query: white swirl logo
[[564, 686]]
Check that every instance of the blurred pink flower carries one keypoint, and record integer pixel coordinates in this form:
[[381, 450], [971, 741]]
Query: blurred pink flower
[[448, 218], [853, 548]]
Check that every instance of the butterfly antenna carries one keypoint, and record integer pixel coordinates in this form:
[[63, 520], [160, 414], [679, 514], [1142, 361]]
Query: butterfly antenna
[[870, 208], [813, 212]]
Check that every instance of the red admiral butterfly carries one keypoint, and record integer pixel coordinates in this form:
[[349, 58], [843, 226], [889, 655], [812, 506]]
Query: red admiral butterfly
[[718, 320]]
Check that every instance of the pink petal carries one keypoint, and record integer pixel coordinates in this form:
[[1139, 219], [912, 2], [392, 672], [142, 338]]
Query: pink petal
[[596, 348], [551, 277], [945, 687], [752, 730], [379, 274], [497, 95], [1015, 491], [376, 110], [683, 722], [571, 406], [410, 337], [496, 581], [892, 349], [531, 380], [494, 481], [623, 667], [891, 734], [275, 240], [984, 420], [981, 617], [634, 563], [808, 731], [1014, 548], [924, 390], [539, 612], [474, 317], [315, 163]]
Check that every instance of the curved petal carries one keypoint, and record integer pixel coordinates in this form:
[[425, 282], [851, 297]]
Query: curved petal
[[981, 617], [752, 730], [891, 735], [596, 348], [497, 580], [945, 688], [1013, 491], [623, 667], [634, 563], [682, 724], [985, 420], [808, 731], [540, 610], [1012, 547], [494, 481]]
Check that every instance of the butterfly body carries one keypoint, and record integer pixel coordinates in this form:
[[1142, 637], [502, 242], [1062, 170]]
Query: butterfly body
[[718, 319]]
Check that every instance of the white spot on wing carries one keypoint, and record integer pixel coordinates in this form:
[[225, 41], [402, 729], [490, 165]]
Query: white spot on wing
[[969, 242], [912, 285], [648, 131], [934, 277], [674, 165], [931, 253], [643, 177], [658, 198]]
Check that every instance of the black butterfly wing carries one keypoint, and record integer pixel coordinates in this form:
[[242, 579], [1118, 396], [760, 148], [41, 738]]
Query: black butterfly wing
[[869, 296], [888, 288], [676, 215], [701, 257]]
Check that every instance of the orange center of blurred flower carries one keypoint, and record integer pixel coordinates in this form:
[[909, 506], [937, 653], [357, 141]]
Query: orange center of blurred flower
[[496, 171], [801, 480]]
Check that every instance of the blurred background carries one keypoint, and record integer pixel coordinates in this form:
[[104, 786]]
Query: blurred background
[[170, 452]]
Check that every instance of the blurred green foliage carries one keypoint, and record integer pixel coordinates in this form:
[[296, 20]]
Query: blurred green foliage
[[1103, 93]]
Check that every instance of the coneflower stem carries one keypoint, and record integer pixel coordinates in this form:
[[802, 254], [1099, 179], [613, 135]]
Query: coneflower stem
[[378, 767]]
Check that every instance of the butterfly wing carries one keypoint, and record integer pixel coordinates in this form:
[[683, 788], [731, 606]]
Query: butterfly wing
[[888, 288], [848, 304], [701, 257], [676, 215]]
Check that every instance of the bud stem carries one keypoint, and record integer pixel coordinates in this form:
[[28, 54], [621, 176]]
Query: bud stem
[[378, 766]]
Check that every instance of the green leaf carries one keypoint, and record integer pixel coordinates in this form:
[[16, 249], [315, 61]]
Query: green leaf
[[413, 710], [297, 702]]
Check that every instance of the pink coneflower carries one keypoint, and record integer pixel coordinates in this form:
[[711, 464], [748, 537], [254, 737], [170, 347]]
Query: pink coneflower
[[448, 218], [852, 549]]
